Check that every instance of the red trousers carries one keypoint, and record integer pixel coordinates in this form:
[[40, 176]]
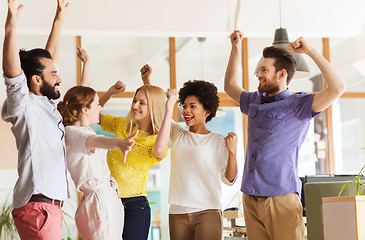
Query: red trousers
[[38, 220]]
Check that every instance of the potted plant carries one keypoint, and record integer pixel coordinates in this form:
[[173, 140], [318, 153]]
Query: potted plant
[[8, 229], [7, 226], [344, 216], [357, 182]]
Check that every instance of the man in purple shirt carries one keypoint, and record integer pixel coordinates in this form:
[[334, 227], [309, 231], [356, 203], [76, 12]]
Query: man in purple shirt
[[278, 122]]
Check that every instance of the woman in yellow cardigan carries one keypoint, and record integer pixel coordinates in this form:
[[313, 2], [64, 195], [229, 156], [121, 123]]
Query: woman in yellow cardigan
[[151, 115]]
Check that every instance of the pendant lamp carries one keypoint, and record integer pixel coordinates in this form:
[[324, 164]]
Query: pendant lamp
[[281, 39]]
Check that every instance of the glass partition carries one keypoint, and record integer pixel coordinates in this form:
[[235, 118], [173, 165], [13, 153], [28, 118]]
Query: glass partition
[[349, 132], [202, 58], [347, 55], [120, 58]]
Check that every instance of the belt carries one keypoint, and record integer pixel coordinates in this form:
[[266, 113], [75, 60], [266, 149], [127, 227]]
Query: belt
[[41, 198]]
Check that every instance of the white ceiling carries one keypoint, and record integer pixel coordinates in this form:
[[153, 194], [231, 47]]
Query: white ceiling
[[257, 18], [135, 28]]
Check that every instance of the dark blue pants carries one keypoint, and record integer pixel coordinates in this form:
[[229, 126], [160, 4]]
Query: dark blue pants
[[137, 218]]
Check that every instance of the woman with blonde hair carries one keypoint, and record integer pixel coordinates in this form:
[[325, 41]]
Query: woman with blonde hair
[[151, 115], [99, 214]]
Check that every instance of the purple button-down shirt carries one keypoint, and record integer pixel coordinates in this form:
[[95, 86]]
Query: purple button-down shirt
[[276, 132]]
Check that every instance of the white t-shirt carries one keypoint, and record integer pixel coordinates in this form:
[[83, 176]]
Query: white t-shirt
[[198, 165]]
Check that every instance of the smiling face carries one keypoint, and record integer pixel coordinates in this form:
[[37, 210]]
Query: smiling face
[[194, 112], [92, 112], [140, 109], [50, 79], [268, 77]]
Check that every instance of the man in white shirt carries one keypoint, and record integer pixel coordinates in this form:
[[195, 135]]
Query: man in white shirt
[[32, 81]]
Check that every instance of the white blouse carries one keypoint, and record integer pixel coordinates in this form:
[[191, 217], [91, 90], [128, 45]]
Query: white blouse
[[198, 165], [88, 170], [100, 214]]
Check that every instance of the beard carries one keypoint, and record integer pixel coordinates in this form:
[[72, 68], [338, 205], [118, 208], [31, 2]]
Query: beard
[[268, 88], [49, 91]]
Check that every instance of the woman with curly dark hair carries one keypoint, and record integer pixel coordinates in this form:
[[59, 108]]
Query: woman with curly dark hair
[[200, 160]]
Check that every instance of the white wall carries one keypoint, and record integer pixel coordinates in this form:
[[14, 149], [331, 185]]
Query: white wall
[[67, 62]]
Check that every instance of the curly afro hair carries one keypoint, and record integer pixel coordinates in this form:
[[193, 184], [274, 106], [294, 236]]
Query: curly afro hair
[[206, 92]]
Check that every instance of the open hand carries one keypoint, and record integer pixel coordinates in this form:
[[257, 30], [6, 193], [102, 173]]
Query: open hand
[[82, 54], [13, 14], [61, 10]]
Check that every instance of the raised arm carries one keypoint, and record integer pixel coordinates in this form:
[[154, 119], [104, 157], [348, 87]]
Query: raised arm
[[85, 75], [163, 135], [335, 84], [11, 60], [232, 84], [54, 39], [146, 71], [109, 143], [231, 144], [117, 88]]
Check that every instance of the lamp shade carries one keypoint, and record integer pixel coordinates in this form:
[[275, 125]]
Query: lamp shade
[[281, 40]]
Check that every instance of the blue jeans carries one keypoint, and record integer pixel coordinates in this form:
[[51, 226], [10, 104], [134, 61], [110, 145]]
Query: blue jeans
[[137, 218]]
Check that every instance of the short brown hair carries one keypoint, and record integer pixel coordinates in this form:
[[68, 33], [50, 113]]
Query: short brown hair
[[283, 60]]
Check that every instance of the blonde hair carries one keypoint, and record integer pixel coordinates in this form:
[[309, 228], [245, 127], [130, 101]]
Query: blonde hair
[[156, 99]]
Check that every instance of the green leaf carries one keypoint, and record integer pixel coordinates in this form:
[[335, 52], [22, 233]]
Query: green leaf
[[344, 187], [363, 192]]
